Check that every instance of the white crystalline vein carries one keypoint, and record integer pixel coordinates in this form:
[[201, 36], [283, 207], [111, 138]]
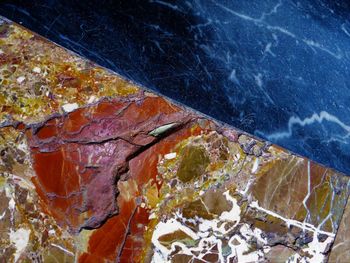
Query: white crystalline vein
[[20, 239], [291, 222]]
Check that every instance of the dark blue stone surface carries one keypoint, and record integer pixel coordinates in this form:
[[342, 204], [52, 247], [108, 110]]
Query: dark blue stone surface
[[277, 69]]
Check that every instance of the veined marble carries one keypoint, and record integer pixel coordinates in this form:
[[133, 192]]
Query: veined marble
[[275, 68], [93, 168]]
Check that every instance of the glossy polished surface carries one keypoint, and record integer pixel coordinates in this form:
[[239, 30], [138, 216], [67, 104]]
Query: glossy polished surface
[[95, 169], [277, 69]]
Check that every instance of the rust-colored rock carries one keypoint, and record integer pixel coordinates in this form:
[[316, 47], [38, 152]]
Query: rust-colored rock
[[79, 157], [130, 223], [93, 169]]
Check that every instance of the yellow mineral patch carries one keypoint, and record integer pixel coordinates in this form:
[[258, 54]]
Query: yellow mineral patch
[[152, 196], [193, 163]]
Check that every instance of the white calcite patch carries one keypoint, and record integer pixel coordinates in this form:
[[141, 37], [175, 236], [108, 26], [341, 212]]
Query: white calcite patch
[[170, 156], [234, 214], [92, 99], [36, 70], [20, 79], [2, 215], [210, 234], [164, 228], [19, 239], [12, 204], [69, 107], [255, 166], [240, 237], [317, 249], [240, 246]]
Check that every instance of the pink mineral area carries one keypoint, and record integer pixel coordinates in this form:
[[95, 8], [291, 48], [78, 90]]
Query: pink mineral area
[[122, 236], [79, 157]]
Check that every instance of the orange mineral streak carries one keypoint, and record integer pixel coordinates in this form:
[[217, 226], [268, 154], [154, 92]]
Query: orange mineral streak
[[134, 243], [151, 106], [58, 183], [106, 242], [107, 109], [53, 175], [66, 218]]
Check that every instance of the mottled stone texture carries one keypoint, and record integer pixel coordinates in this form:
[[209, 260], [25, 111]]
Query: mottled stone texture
[[87, 151], [341, 249], [128, 176]]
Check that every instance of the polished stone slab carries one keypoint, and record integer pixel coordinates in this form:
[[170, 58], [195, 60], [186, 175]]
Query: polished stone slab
[[94, 168], [277, 69], [340, 250]]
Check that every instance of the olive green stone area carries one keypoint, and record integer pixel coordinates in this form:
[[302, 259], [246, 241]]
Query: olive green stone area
[[193, 164]]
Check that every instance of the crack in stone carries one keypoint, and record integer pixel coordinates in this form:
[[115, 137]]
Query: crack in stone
[[127, 233]]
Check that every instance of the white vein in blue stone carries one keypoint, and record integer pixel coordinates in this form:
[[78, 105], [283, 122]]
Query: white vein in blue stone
[[260, 22], [315, 118]]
